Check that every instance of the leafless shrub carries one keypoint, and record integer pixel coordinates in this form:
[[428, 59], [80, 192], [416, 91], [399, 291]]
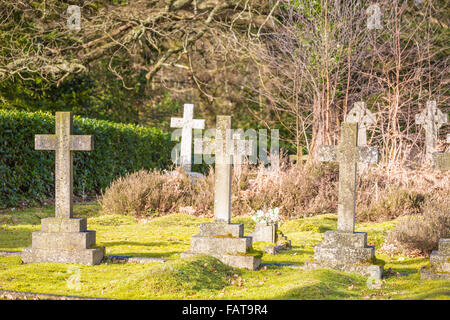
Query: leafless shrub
[[297, 190], [423, 231]]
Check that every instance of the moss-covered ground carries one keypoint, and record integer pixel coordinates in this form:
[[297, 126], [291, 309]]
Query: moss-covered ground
[[200, 277]]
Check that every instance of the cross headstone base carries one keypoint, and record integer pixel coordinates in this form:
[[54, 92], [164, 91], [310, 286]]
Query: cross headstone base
[[226, 242], [346, 251], [63, 240], [265, 232], [270, 233], [439, 267]]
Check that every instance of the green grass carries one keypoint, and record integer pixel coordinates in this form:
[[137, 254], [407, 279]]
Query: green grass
[[200, 277]]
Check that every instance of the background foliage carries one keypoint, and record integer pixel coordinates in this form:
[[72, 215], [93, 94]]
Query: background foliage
[[28, 174]]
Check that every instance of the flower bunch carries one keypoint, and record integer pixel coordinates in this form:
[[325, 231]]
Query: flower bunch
[[269, 217]]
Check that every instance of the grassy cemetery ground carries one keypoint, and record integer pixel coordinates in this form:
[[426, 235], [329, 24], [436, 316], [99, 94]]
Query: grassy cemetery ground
[[201, 277]]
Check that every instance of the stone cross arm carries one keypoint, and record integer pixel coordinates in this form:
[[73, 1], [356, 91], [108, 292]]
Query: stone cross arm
[[330, 154], [77, 143], [238, 147], [190, 123], [360, 114], [188, 120], [431, 114]]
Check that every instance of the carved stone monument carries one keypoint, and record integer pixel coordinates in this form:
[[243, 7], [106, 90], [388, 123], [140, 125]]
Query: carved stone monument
[[63, 239], [222, 239], [187, 123], [345, 249], [431, 118]]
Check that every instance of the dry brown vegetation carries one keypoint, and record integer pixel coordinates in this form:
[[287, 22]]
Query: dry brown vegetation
[[420, 197], [297, 190], [422, 232]]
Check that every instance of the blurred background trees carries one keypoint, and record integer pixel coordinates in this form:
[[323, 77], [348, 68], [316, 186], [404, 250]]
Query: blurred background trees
[[294, 65]]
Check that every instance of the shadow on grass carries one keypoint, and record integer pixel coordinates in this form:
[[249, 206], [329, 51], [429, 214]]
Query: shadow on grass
[[330, 285], [15, 237], [288, 256], [147, 254], [163, 243], [406, 267], [433, 293]]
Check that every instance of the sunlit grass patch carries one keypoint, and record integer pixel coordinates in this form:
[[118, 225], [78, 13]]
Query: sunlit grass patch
[[203, 277]]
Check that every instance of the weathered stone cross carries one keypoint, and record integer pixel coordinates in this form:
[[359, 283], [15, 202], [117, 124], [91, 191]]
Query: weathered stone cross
[[431, 118], [222, 147], [348, 154], [64, 143], [442, 160], [364, 117], [187, 123]]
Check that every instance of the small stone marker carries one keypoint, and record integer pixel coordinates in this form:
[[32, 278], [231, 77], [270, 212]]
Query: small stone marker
[[439, 260], [269, 233], [63, 238], [222, 239], [344, 249], [187, 123], [439, 268], [364, 117], [431, 118]]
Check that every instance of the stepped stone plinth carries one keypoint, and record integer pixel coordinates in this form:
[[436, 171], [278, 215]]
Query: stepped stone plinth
[[225, 242], [347, 252], [63, 240], [222, 239], [345, 249], [439, 267]]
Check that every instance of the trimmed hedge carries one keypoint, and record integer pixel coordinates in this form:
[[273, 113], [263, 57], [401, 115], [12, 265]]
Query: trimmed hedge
[[27, 175]]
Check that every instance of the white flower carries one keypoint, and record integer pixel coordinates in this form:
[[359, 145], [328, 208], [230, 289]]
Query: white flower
[[269, 217]]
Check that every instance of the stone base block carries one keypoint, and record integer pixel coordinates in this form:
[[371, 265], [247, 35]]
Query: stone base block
[[344, 247], [371, 271], [344, 254], [249, 262], [427, 274], [63, 224], [63, 240], [344, 239], [82, 256], [444, 247], [235, 230], [439, 262], [266, 233], [220, 244]]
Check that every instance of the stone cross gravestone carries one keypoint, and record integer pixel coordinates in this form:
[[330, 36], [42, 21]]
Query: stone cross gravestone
[[347, 154], [187, 123], [222, 239], [439, 267], [364, 117], [431, 118], [63, 238], [344, 249]]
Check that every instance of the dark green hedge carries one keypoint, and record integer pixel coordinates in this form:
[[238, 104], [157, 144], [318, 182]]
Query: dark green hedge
[[27, 175]]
